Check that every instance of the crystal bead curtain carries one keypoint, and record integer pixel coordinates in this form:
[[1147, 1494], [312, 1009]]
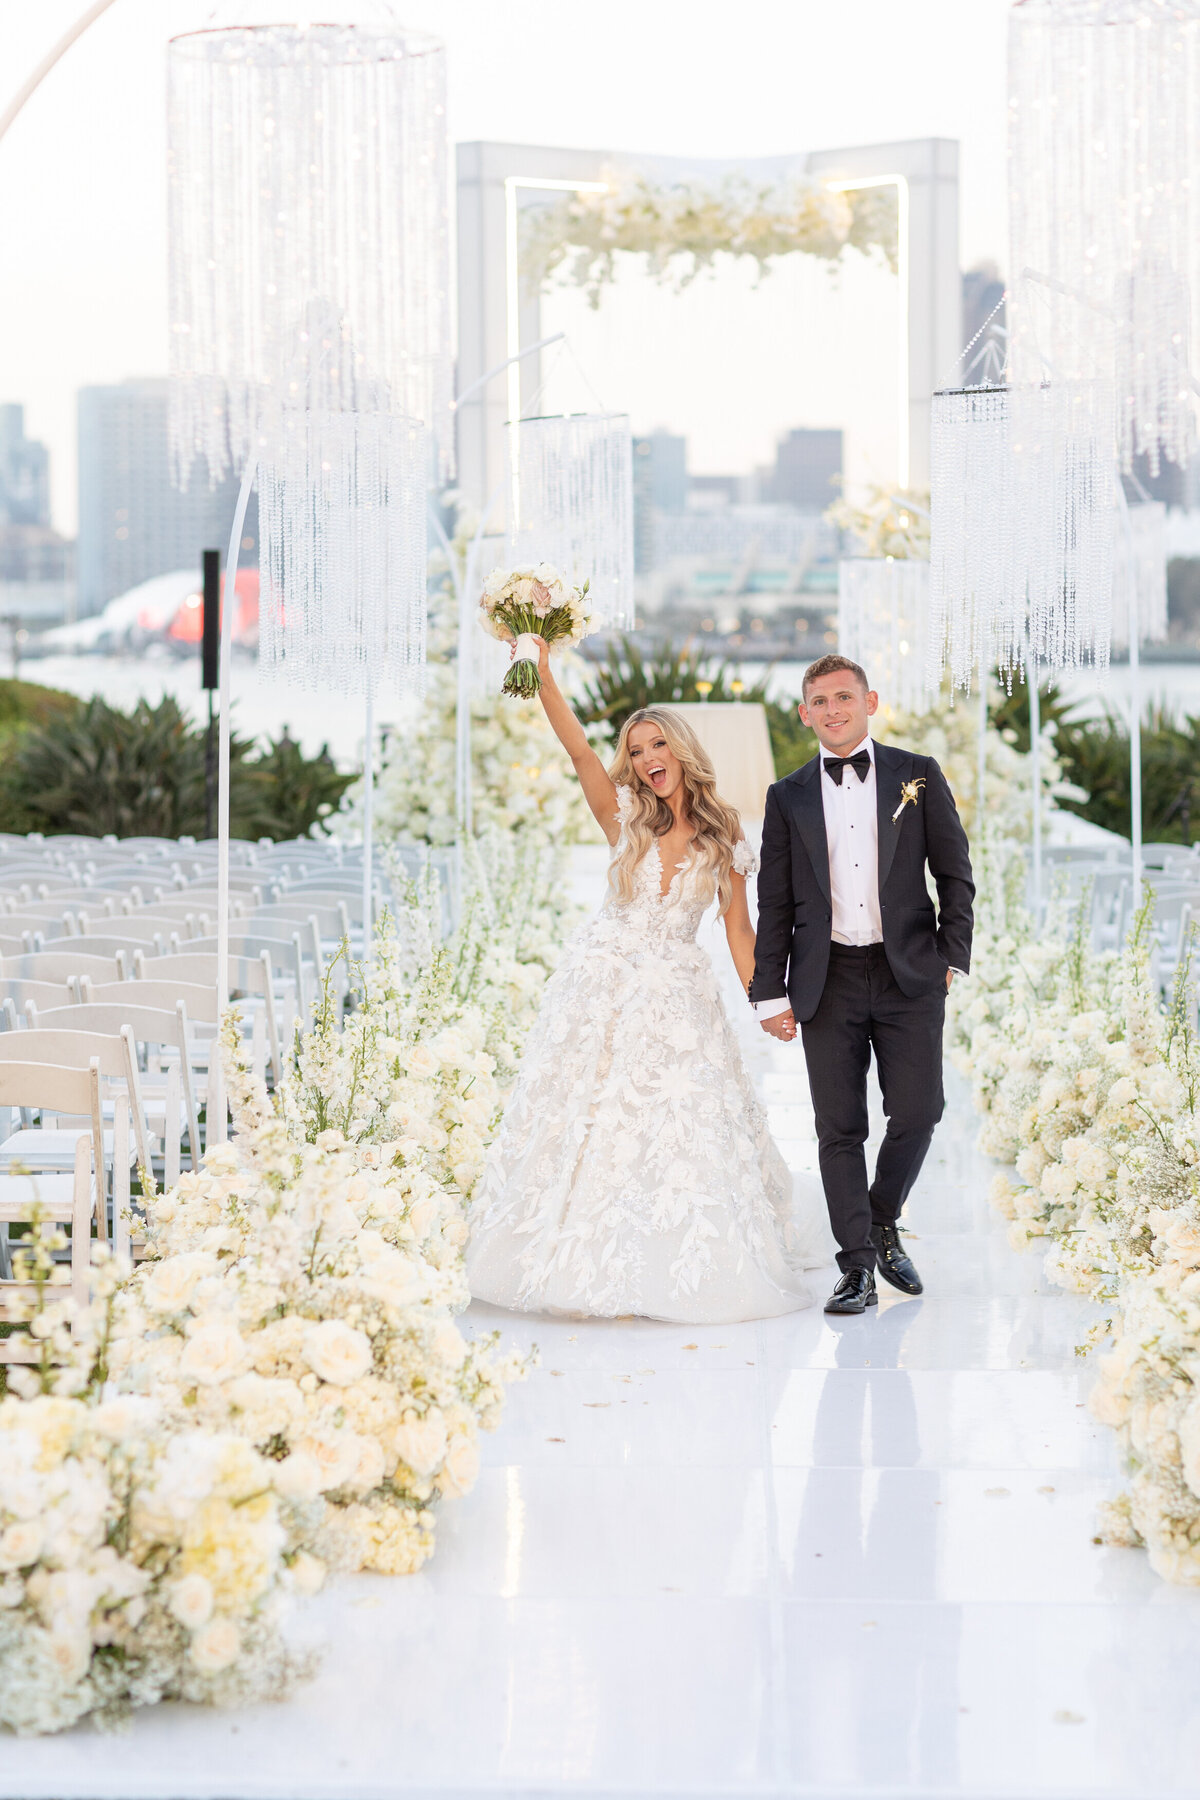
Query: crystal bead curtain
[[570, 488], [883, 623], [1104, 205], [342, 596], [1022, 542], [306, 165], [309, 293]]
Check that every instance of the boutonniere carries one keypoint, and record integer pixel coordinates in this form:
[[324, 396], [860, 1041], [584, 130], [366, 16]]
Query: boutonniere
[[909, 795]]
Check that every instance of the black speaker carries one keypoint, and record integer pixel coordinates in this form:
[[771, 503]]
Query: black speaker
[[210, 644]]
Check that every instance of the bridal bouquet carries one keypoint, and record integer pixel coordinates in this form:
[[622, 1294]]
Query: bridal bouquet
[[518, 605]]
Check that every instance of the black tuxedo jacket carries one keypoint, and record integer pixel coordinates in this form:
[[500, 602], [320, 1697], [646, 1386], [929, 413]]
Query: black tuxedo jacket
[[795, 913]]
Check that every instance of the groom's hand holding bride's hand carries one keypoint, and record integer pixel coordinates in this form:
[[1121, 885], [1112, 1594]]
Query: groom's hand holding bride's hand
[[781, 1025]]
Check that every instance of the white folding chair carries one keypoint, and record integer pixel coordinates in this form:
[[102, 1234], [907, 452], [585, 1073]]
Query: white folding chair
[[50, 1200], [168, 1094]]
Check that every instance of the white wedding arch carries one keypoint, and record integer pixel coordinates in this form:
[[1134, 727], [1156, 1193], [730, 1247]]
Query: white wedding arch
[[498, 318]]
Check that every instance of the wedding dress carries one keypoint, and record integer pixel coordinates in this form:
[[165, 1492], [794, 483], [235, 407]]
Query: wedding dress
[[634, 1171]]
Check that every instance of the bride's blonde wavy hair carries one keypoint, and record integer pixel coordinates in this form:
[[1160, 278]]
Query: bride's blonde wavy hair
[[717, 826]]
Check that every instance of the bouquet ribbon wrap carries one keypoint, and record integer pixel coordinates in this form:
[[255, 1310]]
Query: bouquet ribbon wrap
[[526, 649]]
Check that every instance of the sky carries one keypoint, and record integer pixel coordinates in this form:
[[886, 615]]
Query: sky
[[82, 178]]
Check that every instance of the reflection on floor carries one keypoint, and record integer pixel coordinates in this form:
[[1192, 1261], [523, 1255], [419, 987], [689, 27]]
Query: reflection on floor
[[799, 1556]]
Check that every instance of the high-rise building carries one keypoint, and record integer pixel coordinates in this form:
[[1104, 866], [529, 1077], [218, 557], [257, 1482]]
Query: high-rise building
[[37, 565], [808, 467], [660, 484], [24, 472], [133, 522]]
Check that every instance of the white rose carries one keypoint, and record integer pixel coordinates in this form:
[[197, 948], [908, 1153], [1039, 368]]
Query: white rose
[[371, 1466], [297, 1477], [461, 1466], [421, 1062], [216, 1646], [168, 1286], [307, 1573], [21, 1544], [421, 1443], [124, 1416], [337, 1352], [336, 1454], [422, 1216], [70, 1654], [191, 1601], [215, 1350]]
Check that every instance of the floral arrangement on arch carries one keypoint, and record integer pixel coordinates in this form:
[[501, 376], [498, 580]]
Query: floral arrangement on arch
[[280, 1392], [578, 238], [1089, 1087]]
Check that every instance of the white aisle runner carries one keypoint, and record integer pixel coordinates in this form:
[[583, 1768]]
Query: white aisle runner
[[820, 1558]]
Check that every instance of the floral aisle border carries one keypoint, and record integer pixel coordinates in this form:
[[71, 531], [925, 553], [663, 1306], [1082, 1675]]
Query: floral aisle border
[[578, 237], [1089, 1087], [280, 1391]]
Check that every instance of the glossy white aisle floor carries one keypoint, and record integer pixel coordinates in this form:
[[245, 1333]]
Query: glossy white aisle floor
[[793, 1557]]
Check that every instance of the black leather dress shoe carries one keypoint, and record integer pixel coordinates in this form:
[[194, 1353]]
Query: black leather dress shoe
[[853, 1293], [895, 1265]]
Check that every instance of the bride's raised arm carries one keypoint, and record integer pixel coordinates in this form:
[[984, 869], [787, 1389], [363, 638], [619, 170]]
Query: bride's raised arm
[[594, 779]]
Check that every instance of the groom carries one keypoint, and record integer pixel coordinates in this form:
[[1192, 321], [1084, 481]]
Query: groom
[[850, 945]]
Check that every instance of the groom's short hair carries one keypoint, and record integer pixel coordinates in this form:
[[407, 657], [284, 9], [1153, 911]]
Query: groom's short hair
[[829, 665]]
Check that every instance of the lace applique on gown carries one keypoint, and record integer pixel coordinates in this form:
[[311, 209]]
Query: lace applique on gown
[[634, 1171]]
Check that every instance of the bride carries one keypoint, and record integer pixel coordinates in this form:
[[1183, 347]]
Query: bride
[[633, 1171]]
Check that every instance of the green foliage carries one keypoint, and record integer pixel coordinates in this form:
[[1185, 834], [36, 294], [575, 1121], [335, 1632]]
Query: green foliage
[[671, 676], [1094, 754], [282, 793], [100, 770], [1095, 757], [1011, 713]]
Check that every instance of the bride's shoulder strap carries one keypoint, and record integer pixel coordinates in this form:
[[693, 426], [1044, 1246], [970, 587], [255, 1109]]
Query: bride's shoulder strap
[[745, 862]]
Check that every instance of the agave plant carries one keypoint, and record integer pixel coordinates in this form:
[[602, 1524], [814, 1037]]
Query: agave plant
[[142, 773]]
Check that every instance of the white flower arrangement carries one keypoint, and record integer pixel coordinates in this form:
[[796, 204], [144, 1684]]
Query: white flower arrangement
[[520, 778], [1090, 1090], [683, 227], [280, 1391]]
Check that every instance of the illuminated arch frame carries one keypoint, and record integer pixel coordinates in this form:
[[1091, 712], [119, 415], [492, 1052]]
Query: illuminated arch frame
[[496, 320]]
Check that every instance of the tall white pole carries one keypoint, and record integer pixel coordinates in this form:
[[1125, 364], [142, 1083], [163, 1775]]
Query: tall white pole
[[368, 816], [1135, 711], [1035, 748], [216, 1126]]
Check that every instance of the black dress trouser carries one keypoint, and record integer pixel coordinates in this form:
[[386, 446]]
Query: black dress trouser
[[863, 1009]]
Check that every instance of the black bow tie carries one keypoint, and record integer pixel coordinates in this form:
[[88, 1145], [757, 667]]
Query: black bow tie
[[860, 762]]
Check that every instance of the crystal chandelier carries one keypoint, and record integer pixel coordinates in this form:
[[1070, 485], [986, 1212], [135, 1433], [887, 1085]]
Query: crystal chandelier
[[1104, 203], [883, 623], [1021, 555], [570, 503], [309, 309]]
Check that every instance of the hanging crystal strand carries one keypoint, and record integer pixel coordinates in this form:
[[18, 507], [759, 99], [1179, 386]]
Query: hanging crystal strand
[[570, 488], [883, 623], [1104, 156]]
